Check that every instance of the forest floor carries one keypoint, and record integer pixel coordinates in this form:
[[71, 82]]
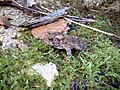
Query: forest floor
[[98, 67]]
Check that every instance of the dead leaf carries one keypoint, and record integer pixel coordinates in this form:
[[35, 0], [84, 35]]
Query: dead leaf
[[57, 26], [4, 21], [55, 34]]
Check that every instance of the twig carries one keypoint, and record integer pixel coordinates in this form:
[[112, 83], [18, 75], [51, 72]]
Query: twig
[[104, 83], [28, 8], [78, 19], [46, 9], [95, 29], [46, 19]]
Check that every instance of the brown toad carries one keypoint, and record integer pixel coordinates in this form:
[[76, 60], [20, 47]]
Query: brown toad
[[55, 34], [67, 42]]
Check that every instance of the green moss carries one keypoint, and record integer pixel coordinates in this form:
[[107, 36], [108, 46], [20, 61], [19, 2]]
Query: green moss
[[97, 65]]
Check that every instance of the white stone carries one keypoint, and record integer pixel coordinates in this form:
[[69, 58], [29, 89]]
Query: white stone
[[47, 71]]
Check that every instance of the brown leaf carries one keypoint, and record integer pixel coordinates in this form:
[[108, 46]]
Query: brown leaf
[[55, 34], [4, 21], [55, 27]]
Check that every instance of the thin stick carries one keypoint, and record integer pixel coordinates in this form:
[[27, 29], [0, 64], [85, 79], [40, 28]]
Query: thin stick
[[95, 29], [46, 9], [28, 8]]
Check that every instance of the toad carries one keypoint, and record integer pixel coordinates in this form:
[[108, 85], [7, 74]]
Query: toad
[[65, 41]]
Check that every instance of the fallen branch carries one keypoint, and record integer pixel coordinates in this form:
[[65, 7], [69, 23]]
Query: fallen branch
[[46, 19], [95, 29]]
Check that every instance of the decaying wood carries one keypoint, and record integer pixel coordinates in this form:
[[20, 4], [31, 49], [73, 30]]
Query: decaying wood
[[46, 19], [52, 17]]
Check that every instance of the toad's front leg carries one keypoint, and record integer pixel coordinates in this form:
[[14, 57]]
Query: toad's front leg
[[69, 53]]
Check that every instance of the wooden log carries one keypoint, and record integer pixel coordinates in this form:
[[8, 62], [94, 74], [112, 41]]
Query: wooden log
[[46, 19]]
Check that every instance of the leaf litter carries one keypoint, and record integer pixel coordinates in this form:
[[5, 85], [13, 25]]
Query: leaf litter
[[51, 33], [8, 30], [54, 33], [53, 26]]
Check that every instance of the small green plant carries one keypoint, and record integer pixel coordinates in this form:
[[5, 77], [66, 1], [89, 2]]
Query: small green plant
[[96, 68]]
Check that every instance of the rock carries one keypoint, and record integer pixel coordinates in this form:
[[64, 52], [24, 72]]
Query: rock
[[8, 35], [47, 71]]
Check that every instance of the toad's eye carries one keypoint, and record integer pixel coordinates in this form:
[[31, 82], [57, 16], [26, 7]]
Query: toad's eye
[[51, 39]]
